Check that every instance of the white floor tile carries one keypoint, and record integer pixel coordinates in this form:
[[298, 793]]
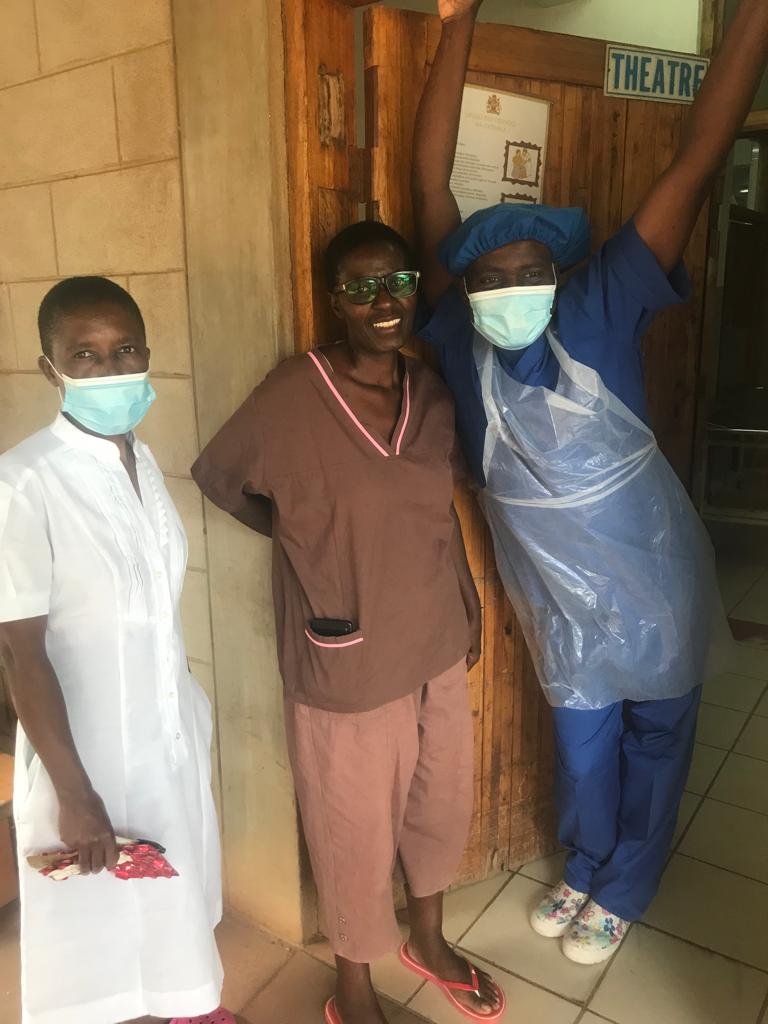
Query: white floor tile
[[250, 959], [715, 909], [525, 1002], [754, 607], [548, 870], [706, 761], [731, 691], [298, 994], [743, 781], [389, 976], [504, 937], [719, 727], [592, 1018], [664, 980], [688, 807], [462, 907], [762, 707], [754, 742], [746, 660], [729, 837], [736, 580]]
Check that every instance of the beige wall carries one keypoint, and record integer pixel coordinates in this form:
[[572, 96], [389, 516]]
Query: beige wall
[[664, 24], [91, 183]]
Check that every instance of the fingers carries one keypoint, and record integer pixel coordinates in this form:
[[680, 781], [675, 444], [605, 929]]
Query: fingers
[[84, 858], [111, 853], [97, 858]]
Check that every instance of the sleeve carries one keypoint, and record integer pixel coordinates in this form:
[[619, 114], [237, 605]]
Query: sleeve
[[458, 462], [26, 561], [232, 465], [449, 324], [623, 286]]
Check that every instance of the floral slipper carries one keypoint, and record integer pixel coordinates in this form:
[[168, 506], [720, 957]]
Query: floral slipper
[[594, 936], [557, 910]]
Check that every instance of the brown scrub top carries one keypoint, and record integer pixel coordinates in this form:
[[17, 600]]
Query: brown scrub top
[[362, 530]]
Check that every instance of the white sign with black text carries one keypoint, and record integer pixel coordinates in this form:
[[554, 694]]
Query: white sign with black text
[[501, 151]]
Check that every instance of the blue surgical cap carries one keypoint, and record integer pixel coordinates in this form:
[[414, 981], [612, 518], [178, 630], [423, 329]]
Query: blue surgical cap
[[565, 232]]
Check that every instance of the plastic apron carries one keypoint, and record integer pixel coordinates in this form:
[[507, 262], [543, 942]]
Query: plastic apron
[[601, 552]]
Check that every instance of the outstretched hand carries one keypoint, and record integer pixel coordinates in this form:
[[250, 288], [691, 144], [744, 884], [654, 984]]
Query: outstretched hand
[[450, 10]]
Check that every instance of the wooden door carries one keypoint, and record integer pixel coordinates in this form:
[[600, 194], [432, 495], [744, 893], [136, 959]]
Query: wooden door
[[603, 154]]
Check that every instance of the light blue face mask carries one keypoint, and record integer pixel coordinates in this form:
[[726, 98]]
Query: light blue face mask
[[107, 405], [513, 318]]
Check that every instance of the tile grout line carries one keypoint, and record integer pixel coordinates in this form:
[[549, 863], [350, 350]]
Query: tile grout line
[[728, 803], [730, 750], [760, 578], [260, 988], [521, 977], [762, 1013], [703, 948], [486, 907], [728, 871], [78, 65], [739, 753], [128, 165]]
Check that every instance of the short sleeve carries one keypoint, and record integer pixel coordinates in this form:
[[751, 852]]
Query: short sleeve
[[231, 466], [26, 562], [623, 286]]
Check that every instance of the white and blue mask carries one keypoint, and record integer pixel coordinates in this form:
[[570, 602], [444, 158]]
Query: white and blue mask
[[109, 406], [513, 318]]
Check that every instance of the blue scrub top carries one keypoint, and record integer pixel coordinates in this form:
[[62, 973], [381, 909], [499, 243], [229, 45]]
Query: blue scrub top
[[602, 313]]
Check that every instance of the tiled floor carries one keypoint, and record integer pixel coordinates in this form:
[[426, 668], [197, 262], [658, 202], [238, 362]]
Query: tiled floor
[[699, 957]]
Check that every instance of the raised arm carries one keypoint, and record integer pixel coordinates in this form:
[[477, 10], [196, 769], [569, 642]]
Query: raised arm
[[667, 215], [37, 697], [434, 142]]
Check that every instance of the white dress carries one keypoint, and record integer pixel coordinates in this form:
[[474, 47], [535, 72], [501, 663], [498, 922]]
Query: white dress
[[77, 545]]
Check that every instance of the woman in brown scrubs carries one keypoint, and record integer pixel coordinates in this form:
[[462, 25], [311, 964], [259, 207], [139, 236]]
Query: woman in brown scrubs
[[345, 456]]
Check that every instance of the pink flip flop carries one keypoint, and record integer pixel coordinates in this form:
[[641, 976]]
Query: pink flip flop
[[220, 1016], [331, 1013], [449, 987]]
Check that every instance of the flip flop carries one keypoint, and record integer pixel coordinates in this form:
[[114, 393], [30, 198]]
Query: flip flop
[[220, 1016], [331, 1013], [449, 987]]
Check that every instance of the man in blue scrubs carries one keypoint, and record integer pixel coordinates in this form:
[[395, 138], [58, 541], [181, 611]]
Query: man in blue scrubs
[[599, 548]]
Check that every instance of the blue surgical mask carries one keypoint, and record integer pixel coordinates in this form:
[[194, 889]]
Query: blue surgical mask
[[513, 318], [107, 405]]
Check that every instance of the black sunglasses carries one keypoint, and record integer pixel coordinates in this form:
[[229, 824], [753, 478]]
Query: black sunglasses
[[362, 291]]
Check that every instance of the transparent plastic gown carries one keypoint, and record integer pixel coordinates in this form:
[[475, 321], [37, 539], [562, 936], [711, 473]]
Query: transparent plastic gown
[[601, 552]]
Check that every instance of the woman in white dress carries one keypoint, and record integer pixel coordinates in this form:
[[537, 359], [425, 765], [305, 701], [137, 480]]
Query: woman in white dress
[[114, 735]]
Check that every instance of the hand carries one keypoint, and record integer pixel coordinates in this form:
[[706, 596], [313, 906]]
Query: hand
[[476, 641], [85, 827], [450, 10]]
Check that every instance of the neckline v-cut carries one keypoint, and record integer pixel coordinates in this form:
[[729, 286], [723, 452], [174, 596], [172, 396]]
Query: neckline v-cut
[[396, 442]]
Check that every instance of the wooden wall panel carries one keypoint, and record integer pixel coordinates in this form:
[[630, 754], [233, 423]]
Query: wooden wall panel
[[320, 128], [603, 154]]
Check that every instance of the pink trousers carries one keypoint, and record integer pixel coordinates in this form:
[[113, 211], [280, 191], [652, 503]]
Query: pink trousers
[[377, 786]]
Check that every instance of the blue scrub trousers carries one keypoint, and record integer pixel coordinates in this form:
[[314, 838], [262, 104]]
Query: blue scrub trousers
[[621, 773]]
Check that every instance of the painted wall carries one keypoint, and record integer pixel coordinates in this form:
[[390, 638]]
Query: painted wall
[[91, 183], [665, 24]]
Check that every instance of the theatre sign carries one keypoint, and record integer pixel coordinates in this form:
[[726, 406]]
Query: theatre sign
[[653, 75]]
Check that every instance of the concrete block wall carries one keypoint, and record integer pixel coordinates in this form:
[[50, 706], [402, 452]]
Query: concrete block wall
[[90, 183]]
